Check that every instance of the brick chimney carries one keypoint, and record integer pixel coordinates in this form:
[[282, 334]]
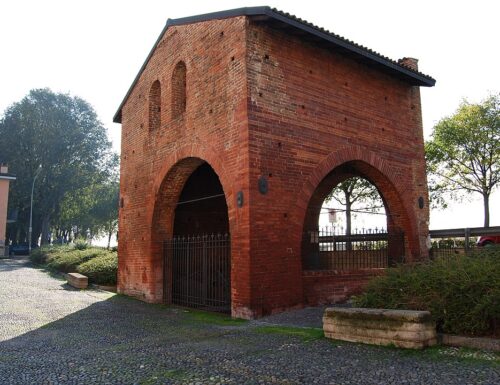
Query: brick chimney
[[409, 62]]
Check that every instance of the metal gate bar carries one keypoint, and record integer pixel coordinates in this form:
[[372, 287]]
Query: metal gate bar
[[200, 271]]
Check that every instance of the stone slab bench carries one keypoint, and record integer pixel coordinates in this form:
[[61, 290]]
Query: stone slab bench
[[77, 280], [401, 328]]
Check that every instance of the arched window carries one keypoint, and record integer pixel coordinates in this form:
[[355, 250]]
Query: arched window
[[179, 90], [155, 106]]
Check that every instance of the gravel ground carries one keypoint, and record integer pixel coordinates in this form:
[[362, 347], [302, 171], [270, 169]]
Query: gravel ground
[[309, 317], [51, 334]]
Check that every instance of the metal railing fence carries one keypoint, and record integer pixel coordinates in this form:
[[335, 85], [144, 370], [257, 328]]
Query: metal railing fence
[[451, 242], [330, 249]]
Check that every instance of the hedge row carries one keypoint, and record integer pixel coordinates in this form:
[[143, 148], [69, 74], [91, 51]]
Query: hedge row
[[462, 293], [98, 264]]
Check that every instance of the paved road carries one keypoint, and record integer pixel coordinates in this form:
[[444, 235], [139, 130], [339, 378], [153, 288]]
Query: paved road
[[51, 334]]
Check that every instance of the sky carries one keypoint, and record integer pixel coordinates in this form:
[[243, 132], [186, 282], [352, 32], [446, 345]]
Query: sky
[[94, 49]]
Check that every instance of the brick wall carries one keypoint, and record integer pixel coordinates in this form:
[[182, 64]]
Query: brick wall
[[327, 287], [155, 164], [312, 111]]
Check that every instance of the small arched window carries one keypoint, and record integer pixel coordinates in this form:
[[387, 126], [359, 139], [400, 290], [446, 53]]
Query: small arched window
[[179, 90], [155, 106]]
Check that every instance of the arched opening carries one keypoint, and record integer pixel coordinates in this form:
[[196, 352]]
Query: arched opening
[[155, 106], [191, 224], [354, 206], [179, 90], [376, 240], [202, 207]]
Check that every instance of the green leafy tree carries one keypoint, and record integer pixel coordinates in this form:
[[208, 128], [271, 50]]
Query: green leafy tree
[[463, 154], [91, 211], [63, 134], [356, 195], [106, 209]]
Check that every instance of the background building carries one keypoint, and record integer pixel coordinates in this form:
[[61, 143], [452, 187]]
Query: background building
[[5, 179]]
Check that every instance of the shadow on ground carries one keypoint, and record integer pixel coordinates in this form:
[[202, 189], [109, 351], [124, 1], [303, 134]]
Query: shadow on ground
[[125, 341]]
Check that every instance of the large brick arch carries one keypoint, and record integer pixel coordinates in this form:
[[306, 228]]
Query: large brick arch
[[167, 186], [356, 161]]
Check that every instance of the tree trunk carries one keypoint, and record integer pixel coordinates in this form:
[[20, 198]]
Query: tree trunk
[[348, 219], [45, 230], [18, 235], [110, 233], [486, 202], [36, 230]]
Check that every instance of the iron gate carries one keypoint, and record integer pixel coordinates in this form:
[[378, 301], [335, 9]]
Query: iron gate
[[198, 271]]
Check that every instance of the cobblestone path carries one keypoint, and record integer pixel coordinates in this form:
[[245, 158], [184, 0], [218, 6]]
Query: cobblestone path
[[51, 334]]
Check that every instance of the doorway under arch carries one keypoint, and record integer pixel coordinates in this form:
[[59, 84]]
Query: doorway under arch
[[201, 208], [192, 214]]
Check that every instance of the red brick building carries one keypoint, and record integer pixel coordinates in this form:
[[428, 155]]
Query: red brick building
[[241, 122]]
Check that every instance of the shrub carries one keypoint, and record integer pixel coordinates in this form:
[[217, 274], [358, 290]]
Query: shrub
[[98, 264], [68, 260], [462, 293], [81, 244], [39, 255], [101, 269], [42, 254]]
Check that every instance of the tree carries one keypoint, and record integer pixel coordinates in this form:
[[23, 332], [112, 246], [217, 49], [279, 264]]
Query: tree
[[463, 154], [106, 210], [356, 195], [64, 135], [91, 211]]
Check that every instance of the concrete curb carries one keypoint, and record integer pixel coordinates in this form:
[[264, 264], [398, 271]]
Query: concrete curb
[[111, 289], [482, 343]]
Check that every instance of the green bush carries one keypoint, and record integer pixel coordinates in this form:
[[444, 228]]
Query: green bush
[[67, 261], [81, 244], [101, 269], [98, 264], [42, 254], [39, 255], [462, 293]]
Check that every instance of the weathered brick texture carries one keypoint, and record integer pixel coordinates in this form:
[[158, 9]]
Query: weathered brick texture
[[254, 101]]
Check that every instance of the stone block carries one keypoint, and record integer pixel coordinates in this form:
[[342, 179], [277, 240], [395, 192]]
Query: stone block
[[77, 280], [402, 328]]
